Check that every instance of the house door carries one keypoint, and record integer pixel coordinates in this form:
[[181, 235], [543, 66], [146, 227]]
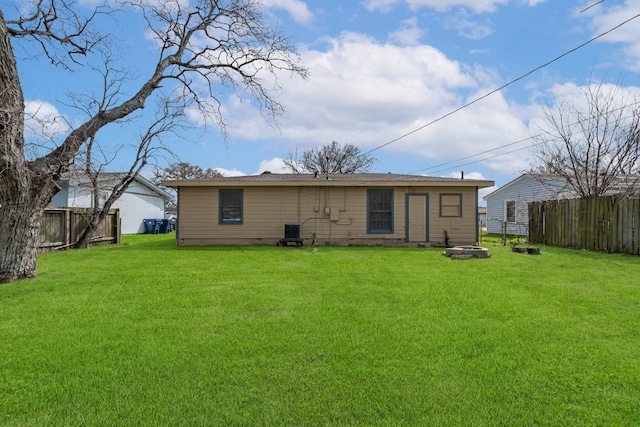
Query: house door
[[417, 217]]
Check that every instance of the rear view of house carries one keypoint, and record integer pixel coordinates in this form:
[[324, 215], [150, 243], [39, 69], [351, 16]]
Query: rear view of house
[[350, 209]]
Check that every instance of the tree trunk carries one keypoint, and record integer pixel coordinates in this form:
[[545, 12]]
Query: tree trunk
[[23, 192], [89, 232], [19, 233]]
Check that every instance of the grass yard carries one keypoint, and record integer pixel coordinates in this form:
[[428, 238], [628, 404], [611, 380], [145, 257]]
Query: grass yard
[[148, 333]]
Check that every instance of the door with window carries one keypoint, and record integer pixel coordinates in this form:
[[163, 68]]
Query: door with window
[[417, 217]]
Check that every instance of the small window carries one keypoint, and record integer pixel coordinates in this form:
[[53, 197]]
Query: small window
[[510, 211], [450, 204], [380, 211], [230, 207]]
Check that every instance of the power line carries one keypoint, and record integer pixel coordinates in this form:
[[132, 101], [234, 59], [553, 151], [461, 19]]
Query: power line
[[487, 158], [441, 169], [505, 85], [589, 7], [477, 154]]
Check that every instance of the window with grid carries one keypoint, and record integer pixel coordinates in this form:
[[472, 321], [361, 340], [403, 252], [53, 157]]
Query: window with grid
[[380, 211], [230, 207], [510, 210], [450, 204]]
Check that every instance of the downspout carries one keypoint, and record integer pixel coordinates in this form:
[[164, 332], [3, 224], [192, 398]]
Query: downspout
[[477, 218], [178, 214]]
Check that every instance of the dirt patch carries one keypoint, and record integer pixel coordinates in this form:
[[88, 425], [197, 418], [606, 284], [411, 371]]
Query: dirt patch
[[530, 251]]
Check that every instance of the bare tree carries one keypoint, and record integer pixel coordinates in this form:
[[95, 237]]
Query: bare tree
[[208, 42], [115, 185], [593, 145], [330, 159], [183, 170]]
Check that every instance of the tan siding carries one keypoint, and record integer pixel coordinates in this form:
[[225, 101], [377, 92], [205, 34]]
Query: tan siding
[[267, 209], [461, 230], [197, 211]]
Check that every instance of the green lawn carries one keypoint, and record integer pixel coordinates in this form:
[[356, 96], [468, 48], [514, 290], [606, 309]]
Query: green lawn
[[148, 333]]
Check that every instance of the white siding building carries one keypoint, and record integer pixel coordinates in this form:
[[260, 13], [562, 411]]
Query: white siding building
[[142, 200], [508, 206]]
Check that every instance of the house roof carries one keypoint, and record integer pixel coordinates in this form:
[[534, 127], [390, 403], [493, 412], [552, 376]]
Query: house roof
[[106, 178], [144, 181], [538, 177], [628, 184], [335, 180]]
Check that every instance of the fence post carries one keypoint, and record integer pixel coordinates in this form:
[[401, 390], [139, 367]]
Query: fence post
[[117, 224]]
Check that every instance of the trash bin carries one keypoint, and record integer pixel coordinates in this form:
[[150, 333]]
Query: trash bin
[[149, 225], [165, 226], [152, 225]]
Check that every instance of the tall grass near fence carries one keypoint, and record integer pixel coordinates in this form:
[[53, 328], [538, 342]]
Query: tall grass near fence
[[149, 333]]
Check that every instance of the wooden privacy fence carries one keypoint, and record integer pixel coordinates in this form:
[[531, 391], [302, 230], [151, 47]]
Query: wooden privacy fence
[[61, 228], [594, 223]]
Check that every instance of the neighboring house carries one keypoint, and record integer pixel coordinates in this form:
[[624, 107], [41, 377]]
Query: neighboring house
[[508, 206], [349, 209], [482, 216], [142, 199]]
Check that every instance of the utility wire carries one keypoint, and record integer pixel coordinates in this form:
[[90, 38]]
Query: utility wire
[[487, 158], [441, 169], [589, 7], [504, 85], [477, 154]]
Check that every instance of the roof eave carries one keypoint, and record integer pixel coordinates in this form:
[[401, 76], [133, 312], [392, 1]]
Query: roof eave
[[328, 183]]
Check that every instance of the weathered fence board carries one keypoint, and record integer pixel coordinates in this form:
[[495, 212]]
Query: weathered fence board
[[62, 227], [595, 223]]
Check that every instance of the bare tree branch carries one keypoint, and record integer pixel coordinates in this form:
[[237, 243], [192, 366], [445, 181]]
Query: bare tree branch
[[150, 142], [595, 144], [57, 21]]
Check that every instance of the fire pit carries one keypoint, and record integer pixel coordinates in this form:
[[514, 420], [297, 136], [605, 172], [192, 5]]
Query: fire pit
[[467, 252]]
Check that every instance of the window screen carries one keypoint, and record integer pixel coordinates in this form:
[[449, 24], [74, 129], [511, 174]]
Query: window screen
[[380, 211], [230, 206]]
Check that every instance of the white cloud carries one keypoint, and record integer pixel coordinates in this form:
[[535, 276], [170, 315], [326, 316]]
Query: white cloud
[[368, 93], [576, 95], [410, 33], [380, 5], [475, 175], [230, 172], [465, 27], [297, 9], [43, 120], [275, 165], [483, 192], [467, 175], [195, 115], [478, 6], [604, 18]]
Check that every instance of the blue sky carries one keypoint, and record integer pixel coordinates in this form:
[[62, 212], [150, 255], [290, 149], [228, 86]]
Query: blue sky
[[382, 69]]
